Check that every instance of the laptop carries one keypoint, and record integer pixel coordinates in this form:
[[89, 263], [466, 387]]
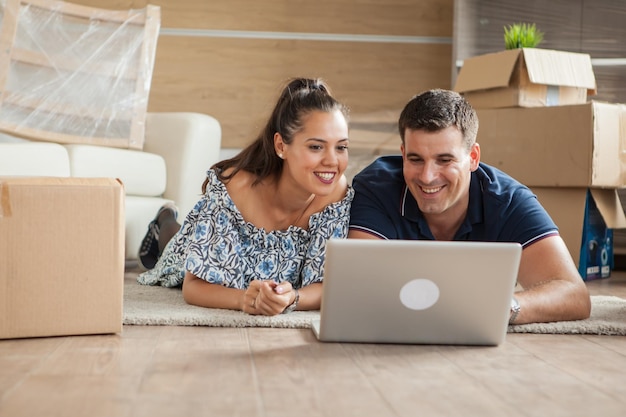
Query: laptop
[[417, 292]]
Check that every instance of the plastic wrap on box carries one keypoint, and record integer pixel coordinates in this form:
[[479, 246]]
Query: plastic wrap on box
[[76, 74]]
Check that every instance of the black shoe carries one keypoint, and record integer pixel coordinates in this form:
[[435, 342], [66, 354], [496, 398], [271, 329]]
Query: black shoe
[[149, 250]]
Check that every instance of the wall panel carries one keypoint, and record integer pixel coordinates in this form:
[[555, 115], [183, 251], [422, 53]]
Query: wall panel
[[389, 17], [239, 79]]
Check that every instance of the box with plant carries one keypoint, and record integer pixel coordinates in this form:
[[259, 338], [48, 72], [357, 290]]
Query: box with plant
[[524, 75]]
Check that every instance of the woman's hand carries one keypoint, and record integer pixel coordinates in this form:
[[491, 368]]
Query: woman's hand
[[267, 297]]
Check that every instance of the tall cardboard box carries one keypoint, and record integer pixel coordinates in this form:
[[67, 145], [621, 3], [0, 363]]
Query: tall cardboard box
[[61, 256], [586, 219], [526, 77], [581, 145]]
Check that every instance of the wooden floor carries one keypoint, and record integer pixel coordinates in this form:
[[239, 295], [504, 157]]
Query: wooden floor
[[197, 371]]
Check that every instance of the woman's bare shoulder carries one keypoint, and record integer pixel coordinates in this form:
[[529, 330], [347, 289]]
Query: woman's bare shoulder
[[342, 189], [241, 180]]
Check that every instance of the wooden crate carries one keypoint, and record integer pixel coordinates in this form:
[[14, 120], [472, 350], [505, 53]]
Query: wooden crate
[[76, 74]]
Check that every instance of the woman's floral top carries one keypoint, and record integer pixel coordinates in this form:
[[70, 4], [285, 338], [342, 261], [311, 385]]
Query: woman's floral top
[[217, 245]]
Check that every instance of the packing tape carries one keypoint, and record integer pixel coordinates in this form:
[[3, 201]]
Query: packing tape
[[5, 201], [553, 95]]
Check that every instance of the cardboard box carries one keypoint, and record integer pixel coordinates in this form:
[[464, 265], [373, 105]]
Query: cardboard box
[[61, 256], [581, 145], [526, 77], [586, 219]]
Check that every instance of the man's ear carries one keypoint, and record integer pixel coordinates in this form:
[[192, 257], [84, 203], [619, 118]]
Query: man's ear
[[474, 155]]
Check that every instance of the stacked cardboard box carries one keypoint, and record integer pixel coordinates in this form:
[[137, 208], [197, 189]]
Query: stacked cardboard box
[[537, 125]]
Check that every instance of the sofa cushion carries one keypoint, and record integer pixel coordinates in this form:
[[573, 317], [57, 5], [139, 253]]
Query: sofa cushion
[[33, 159], [142, 173]]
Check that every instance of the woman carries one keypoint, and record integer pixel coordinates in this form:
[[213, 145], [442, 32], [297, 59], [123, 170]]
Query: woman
[[256, 239]]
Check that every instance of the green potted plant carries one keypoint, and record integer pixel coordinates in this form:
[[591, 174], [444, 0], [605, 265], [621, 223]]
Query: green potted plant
[[522, 35]]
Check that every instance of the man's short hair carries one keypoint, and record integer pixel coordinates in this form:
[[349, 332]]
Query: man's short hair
[[437, 109]]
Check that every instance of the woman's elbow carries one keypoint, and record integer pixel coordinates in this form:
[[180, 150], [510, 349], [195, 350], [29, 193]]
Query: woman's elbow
[[189, 293]]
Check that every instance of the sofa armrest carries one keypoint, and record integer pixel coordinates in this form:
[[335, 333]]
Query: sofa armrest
[[190, 143]]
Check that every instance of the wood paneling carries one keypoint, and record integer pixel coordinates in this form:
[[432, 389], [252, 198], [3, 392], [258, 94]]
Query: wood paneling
[[238, 80], [390, 17]]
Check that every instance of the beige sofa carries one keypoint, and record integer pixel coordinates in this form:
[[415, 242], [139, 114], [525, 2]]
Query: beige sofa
[[178, 149]]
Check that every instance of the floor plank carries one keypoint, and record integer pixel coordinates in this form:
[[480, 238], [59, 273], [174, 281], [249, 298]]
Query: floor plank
[[597, 368]]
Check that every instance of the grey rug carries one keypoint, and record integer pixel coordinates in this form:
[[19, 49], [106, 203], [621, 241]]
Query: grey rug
[[145, 305]]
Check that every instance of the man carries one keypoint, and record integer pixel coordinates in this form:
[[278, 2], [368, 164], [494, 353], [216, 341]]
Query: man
[[439, 190]]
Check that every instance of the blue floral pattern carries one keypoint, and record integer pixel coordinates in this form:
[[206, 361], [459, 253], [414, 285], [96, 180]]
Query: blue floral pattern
[[217, 245]]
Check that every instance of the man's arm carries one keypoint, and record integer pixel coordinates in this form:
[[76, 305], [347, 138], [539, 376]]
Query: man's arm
[[552, 287]]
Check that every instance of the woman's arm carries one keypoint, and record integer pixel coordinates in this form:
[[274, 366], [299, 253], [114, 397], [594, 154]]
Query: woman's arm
[[273, 298], [201, 293], [261, 297], [310, 297]]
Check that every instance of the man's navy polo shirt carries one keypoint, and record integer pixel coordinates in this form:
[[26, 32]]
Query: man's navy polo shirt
[[500, 208]]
